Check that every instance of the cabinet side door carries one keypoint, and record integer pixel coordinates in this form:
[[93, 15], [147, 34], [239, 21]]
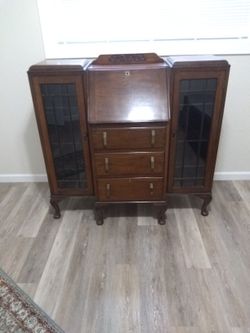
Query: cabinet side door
[[61, 118], [198, 102]]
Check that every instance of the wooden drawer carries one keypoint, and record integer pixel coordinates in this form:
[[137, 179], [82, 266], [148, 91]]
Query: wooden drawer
[[128, 138], [129, 164], [130, 189]]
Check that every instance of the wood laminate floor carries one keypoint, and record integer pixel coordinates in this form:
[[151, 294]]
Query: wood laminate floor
[[131, 274]]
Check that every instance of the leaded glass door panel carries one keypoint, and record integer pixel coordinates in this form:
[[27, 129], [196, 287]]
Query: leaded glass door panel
[[63, 128], [195, 124]]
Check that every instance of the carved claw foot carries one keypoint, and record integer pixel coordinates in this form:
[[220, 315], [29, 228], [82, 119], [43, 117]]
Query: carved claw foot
[[54, 204], [160, 215], [162, 220], [99, 221], [99, 215], [206, 201], [204, 211]]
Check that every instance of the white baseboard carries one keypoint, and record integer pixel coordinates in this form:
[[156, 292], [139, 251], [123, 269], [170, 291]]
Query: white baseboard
[[29, 178], [23, 178], [232, 175]]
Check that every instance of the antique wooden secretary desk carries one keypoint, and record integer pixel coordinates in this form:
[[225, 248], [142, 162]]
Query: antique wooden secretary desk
[[130, 128]]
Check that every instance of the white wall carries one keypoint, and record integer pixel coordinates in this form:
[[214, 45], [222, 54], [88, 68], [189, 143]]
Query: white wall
[[20, 153], [234, 148], [20, 46]]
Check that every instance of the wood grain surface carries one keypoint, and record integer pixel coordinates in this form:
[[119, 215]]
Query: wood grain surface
[[131, 274]]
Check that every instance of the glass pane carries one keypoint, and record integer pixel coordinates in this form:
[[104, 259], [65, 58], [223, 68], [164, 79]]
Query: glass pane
[[196, 107], [62, 115]]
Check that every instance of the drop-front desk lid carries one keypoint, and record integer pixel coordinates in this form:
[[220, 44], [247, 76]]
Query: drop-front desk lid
[[128, 88]]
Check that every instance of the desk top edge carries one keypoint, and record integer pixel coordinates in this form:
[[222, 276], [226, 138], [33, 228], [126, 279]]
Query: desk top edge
[[152, 60]]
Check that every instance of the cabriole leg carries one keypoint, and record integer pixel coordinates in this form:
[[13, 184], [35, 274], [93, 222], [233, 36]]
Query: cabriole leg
[[206, 201], [160, 213], [54, 203], [99, 214]]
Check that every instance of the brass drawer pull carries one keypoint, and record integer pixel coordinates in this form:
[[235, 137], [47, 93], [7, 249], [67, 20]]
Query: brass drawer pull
[[104, 136], [151, 187], [152, 162], [106, 160], [108, 187], [152, 137]]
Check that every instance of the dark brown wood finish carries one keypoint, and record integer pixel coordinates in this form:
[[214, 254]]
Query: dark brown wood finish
[[121, 92], [57, 73], [43, 130], [145, 102], [131, 148], [128, 137], [197, 68], [59, 67], [129, 109], [193, 61], [129, 164], [129, 94], [129, 151], [142, 59], [130, 189], [213, 139]]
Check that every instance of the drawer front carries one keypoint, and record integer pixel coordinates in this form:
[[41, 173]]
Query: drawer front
[[128, 138], [130, 189], [129, 164]]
